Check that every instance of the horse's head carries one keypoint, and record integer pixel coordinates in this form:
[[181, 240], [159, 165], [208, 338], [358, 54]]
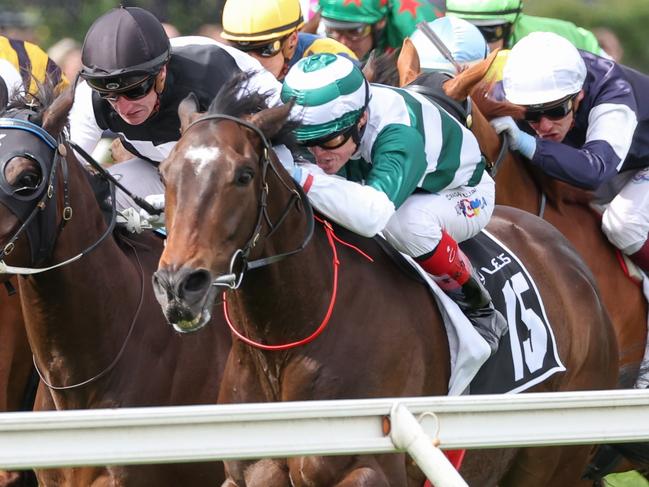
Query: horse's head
[[30, 157], [217, 181]]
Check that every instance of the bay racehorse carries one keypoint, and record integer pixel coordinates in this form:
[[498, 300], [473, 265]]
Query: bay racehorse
[[315, 319], [97, 334]]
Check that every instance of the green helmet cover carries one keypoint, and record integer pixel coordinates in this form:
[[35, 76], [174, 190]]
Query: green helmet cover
[[365, 11], [505, 10]]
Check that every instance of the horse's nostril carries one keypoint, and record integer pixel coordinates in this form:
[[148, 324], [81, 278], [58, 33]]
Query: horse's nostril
[[197, 281]]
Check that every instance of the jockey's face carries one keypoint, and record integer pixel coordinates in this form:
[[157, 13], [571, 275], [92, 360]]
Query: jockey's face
[[278, 63], [360, 40], [557, 129], [332, 160], [135, 112]]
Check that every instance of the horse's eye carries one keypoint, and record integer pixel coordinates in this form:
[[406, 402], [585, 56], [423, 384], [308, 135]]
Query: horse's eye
[[244, 176], [28, 181]]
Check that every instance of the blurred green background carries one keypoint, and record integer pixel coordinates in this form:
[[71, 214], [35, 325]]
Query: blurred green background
[[628, 19]]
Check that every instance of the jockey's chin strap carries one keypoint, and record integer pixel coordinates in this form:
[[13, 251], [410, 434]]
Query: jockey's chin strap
[[239, 262]]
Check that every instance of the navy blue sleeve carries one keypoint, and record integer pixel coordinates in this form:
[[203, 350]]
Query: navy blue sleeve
[[587, 167]]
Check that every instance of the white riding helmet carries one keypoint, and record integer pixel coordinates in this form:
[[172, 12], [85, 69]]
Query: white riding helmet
[[462, 38], [542, 67]]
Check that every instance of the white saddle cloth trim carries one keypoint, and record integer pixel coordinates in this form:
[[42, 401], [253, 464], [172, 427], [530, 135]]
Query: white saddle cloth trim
[[468, 350]]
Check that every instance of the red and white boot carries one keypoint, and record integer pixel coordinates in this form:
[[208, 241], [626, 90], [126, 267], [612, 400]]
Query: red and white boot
[[452, 270]]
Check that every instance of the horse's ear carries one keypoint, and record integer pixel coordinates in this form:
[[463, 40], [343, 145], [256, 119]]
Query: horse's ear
[[4, 94], [271, 120], [187, 111], [311, 26], [369, 68], [55, 117], [460, 87], [408, 63]]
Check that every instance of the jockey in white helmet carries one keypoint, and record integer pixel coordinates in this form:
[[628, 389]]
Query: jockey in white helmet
[[587, 120], [409, 170]]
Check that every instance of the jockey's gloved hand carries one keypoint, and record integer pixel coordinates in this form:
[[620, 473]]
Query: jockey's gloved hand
[[519, 140], [132, 221], [158, 202]]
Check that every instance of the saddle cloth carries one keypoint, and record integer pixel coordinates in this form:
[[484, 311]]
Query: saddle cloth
[[527, 354]]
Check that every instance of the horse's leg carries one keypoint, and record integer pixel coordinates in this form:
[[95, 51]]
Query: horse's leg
[[553, 466], [484, 468], [348, 471], [364, 477]]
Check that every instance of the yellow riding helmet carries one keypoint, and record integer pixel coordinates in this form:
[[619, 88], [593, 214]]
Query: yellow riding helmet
[[260, 20]]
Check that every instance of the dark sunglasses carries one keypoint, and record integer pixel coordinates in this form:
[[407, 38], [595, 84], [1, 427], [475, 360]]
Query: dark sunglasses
[[355, 34], [266, 49], [331, 142], [134, 93], [494, 33], [555, 112]]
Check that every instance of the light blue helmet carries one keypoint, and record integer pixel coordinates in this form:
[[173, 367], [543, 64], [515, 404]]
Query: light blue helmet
[[462, 38]]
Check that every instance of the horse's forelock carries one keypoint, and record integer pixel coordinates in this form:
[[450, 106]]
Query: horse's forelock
[[37, 102], [237, 98]]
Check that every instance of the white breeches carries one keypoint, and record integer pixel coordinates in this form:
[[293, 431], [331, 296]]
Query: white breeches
[[626, 220], [416, 227]]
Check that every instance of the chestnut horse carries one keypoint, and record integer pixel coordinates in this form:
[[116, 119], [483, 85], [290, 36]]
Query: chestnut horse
[[236, 219], [519, 185], [97, 334]]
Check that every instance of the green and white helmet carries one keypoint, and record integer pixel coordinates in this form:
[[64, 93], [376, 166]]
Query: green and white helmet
[[485, 12], [330, 95], [363, 11]]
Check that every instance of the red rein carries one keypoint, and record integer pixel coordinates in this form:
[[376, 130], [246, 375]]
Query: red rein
[[331, 236]]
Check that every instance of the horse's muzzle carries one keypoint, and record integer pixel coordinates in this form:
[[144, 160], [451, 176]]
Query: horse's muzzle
[[186, 297]]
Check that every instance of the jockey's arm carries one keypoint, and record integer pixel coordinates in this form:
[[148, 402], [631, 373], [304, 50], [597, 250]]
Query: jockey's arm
[[357, 207], [84, 130], [608, 139], [398, 165]]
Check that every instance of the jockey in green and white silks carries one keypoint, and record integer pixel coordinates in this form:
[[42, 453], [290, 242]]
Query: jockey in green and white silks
[[409, 170]]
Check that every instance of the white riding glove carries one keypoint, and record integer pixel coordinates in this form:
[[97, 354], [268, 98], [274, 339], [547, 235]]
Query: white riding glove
[[519, 140], [132, 220], [158, 202]]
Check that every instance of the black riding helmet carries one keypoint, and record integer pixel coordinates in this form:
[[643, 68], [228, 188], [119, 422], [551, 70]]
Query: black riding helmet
[[122, 48]]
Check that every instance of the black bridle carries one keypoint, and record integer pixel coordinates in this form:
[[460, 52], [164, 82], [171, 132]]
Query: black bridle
[[239, 263], [32, 205]]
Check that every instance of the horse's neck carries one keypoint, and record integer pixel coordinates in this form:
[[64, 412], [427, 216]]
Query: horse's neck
[[286, 301], [78, 315]]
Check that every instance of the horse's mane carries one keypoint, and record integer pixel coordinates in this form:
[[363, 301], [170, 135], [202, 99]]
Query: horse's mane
[[36, 102], [237, 99]]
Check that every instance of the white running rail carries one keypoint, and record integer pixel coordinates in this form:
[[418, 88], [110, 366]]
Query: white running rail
[[248, 431]]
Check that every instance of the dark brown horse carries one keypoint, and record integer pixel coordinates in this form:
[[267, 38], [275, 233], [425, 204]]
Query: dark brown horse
[[384, 336], [97, 334], [16, 388]]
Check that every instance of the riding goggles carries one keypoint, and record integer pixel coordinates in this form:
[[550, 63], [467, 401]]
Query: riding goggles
[[353, 34], [555, 111], [131, 87], [333, 141], [494, 33], [265, 49]]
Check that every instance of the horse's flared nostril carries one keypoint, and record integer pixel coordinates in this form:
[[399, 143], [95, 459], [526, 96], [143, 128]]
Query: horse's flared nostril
[[196, 282]]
